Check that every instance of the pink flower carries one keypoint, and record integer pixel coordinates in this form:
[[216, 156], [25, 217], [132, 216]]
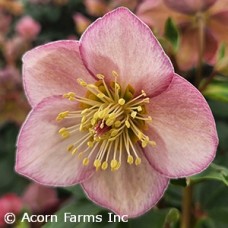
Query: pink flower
[[96, 7], [126, 127], [28, 28], [190, 15], [9, 203], [81, 22], [39, 198]]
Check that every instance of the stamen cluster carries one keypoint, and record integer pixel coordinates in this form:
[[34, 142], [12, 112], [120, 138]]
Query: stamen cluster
[[113, 120]]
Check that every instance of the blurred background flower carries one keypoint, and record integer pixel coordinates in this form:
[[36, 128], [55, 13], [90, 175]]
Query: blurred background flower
[[201, 22]]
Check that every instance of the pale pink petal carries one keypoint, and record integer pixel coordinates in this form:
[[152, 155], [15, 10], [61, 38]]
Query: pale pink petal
[[155, 14], [188, 54], [121, 42], [211, 46], [41, 152], [218, 25], [221, 17], [218, 7], [184, 130], [189, 6], [131, 190], [52, 69]]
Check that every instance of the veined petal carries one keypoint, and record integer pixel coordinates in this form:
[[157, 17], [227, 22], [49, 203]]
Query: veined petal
[[42, 154], [190, 6], [119, 41], [131, 190], [52, 69], [184, 130]]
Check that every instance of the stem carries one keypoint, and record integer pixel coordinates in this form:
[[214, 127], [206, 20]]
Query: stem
[[210, 78], [186, 207], [200, 21], [187, 192]]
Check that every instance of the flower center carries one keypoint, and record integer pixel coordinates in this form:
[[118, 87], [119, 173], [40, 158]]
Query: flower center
[[113, 120]]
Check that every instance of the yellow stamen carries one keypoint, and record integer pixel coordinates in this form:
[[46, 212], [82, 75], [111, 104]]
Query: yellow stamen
[[138, 161], [81, 82], [70, 147], [114, 164], [110, 118], [85, 161], [97, 164], [130, 159], [104, 165], [121, 101]]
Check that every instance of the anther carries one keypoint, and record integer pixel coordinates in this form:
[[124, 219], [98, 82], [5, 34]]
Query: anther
[[121, 101], [97, 164], [100, 76], [114, 132], [130, 159], [146, 100], [104, 165], [90, 143], [74, 151], [70, 147], [114, 164], [81, 82], [139, 108], [117, 124], [152, 143], [133, 114], [143, 93], [137, 161], [85, 161], [115, 74], [127, 124], [100, 95]]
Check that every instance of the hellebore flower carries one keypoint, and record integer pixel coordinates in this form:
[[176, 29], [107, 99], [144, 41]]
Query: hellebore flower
[[40, 199], [110, 113], [28, 28], [190, 15], [9, 202]]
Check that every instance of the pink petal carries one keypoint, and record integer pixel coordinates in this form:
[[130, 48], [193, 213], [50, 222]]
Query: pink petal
[[221, 17], [184, 130], [52, 69], [42, 154], [119, 41], [155, 14], [188, 54], [39, 198], [131, 190], [218, 24], [189, 6]]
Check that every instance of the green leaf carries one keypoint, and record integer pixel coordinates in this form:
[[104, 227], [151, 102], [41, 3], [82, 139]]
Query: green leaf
[[213, 172], [180, 182], [172, 34], [157, 218], [211, 200], [217, 90], [69, 216], [221, 51], [76, 191], [8, 135]]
